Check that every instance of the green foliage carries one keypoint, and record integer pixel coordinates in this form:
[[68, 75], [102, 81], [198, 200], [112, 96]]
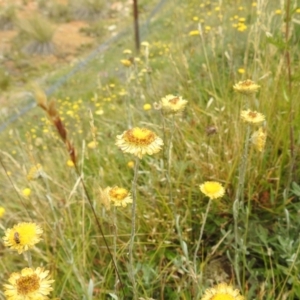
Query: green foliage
[[5, 79]]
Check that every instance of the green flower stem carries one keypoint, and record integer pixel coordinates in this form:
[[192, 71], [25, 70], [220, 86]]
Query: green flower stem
[[133, 215], [28, 258], [115, 234], [200, 235], [169, 162], [239, 203]]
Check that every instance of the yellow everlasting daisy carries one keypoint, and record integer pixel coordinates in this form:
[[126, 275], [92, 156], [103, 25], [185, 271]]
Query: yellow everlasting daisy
[[2, 211], [29, 284], [139, 141], [212, 189], [116, 196], [258, 139], [222, 292], [22, 236], [26, 192], [126, 62], [253, 117], [246, 87], [171, 104]]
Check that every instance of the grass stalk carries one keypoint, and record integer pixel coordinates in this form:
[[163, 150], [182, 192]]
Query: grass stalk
[[200, 235], [169, 165], [239, 202], [133, 224]]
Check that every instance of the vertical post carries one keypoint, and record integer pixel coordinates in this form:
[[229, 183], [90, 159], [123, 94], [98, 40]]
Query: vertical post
[[136, 26]]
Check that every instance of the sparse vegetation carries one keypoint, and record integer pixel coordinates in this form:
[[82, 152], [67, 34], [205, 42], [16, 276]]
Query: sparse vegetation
[[89, 10]]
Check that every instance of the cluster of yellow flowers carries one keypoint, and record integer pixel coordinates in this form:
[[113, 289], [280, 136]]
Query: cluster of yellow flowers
[[258, 138], [30, 283]]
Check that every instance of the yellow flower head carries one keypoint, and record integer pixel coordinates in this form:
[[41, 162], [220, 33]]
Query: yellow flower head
[[29, 284], [126, 62], [145, 44], [92, 145], [139, 141], [26, 192], [171, 104], [212, 189], [130, 164], [147, 106], [116, 196], [35, 172], [253, 117], [222, 292], [22, 236], [258, 139], [127, 51], [194, 32], [70, 163], [246, 87], [2, 211]]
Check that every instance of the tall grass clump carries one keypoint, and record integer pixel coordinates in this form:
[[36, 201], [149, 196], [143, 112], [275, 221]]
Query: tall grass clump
[[88, 10], [40, 34], [171, 174]]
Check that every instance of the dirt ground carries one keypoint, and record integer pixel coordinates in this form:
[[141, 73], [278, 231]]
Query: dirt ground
[[68, 40]]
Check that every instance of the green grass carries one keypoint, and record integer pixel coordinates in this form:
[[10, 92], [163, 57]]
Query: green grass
[[256, 250]]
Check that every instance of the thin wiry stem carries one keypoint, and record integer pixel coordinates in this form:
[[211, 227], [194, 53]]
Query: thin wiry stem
[[291, 108], [28, 258], [239, 203], [200, 235], [99, 225], [169, 162], [132, 236], [115, 234]]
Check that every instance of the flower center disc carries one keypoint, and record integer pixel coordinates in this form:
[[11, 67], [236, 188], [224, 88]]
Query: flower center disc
[[139, 136], [118, 193], [212, 188], [247, 83], [27, 284], [174, 100], [222, 297], [252, 114]]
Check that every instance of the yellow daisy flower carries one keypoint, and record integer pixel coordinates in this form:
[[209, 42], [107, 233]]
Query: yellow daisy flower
[[171, 104], [70, 163], [126, 62], [258, 139], [22, 236], [147, 106], [127, 51], [212, 189], [116, 196], [194, 32], [29, 284], [2, 211], [222, 292], [130, 164], [92, 145], [139, 141], [35, 172], [246, 87], [253, 117], [26, 192]]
